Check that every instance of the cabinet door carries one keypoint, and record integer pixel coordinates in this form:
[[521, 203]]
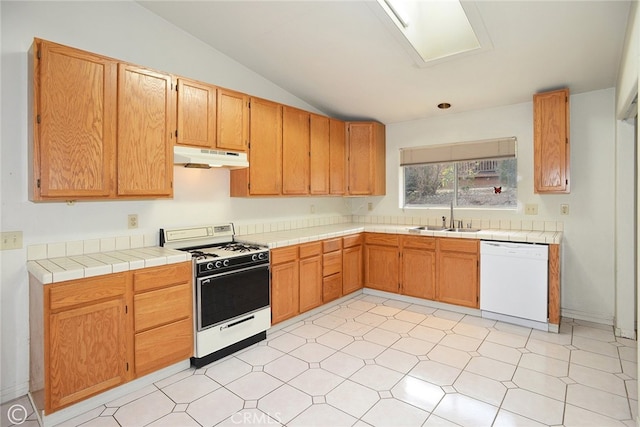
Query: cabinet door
[[295, 151], [337, 156], [381, 267], [145, 151], [74, 149], [284, 291], [458, 278], [87, 352], [196, 114], [551, 141], [319, 143], [419, 273], [366, 158], [310, 283], [331, 287], [233, 120], [265, 149], [351, 269]]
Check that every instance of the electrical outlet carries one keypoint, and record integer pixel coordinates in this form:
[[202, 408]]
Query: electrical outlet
[[133, 221], [313, 209], [531, 209], [564, 209], [10, 240], [370, 206]]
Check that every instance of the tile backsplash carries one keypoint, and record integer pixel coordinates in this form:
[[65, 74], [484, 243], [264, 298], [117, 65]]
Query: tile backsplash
[[80, 247]]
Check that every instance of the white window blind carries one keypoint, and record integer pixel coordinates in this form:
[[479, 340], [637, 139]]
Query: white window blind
[[472, 150]]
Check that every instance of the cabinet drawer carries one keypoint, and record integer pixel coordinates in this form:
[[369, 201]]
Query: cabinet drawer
[[458, 245], [331, 263], [331, 288], [355, 240], [310, 249], [160, 347], [419, 242], [162, 306], [381, 239], [163, 276], [87, 290], [331, 245], [287, 254]]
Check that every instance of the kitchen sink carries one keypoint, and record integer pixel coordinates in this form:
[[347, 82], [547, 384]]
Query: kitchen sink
[[427, 228], [418, 230]]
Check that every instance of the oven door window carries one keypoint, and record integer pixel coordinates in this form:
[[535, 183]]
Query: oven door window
[[225, 296]]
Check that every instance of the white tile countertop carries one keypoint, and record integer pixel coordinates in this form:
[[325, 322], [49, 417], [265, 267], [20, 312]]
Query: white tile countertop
[[78, 266], [276, 239]]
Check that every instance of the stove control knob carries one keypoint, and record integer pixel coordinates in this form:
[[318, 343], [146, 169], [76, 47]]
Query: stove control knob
[[262, 255], [218, 264], [209, 266], [254, 257], [225, 263]]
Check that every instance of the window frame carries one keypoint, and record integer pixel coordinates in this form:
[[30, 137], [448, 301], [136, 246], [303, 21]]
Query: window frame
[[455, 154]]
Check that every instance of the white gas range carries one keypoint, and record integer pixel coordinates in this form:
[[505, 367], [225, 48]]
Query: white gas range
[[231, 289]]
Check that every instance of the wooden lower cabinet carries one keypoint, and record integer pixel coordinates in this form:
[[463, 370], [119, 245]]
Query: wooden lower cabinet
[[418, 278], [158, 323], [331, 269], [352, 263], [382, 262], [457, 272], [90, 335], [285, 279], [87, 348], [310, 283]]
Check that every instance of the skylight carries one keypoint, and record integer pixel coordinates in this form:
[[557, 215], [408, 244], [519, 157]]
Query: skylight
[[435, 29]]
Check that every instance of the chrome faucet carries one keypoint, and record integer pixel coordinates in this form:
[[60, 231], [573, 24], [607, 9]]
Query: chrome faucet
[[451, 222]]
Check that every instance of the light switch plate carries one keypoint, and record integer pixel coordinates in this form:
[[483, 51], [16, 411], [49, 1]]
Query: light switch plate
[[10, 240], [531, 209]]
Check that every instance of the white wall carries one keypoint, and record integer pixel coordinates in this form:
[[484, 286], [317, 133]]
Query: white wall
[[588, 274], [126, 31]]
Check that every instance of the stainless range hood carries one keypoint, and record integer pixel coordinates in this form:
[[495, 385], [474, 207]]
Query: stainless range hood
[[205, 158]]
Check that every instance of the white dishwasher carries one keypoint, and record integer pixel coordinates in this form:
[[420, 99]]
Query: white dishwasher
[[514, 282]]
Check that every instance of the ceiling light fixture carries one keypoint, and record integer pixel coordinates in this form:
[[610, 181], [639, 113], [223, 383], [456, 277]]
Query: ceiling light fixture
[[444, 105]]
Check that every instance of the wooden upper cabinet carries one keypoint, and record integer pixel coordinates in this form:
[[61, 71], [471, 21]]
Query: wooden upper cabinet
[[145, 123], [337, 157], [74, 112], [196, 116], [233, 120], [551, 142], [265, 148], [366, 145], [320, 154], [295, 151]]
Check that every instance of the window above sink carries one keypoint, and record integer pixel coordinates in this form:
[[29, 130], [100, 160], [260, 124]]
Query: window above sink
[[480, 174]]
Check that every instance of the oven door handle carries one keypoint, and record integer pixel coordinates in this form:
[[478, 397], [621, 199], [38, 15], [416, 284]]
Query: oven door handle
[[237, 322], [204, 281]]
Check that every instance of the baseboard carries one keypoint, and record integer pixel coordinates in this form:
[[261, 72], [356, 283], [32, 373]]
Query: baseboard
[[108, 396], [14, 392], [423, 302], [625, 333], [586, 316]]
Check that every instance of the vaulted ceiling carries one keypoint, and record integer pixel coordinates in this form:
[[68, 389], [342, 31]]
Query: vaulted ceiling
[[346, 57]]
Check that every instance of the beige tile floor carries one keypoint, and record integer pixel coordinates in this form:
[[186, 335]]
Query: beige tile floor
[[371, 361]]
